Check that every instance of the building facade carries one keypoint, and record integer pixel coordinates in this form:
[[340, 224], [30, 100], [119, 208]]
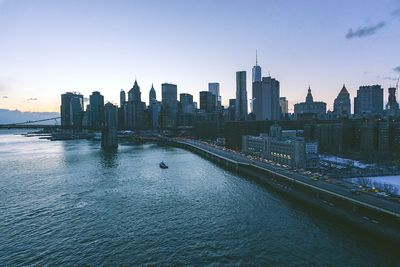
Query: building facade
[[169, 105], [96, 110], [283, 149], [241, 96], [369, 101], [310, 108], [342, 104], [266, 105], [71, 110]]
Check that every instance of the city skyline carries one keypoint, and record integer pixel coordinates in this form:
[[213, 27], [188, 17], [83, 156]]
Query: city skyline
[[100, 47]]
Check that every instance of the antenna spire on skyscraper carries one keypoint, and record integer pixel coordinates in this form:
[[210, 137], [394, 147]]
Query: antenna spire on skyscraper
[[256, 58]]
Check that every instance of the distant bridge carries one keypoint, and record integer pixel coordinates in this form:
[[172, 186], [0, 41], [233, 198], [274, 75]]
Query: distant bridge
[[32, 124]]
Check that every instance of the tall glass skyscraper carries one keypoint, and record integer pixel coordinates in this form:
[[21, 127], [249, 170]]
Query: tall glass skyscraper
[[256, 77]]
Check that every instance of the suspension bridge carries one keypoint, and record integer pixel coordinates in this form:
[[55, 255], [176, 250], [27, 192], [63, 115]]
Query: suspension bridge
[[33, 124]]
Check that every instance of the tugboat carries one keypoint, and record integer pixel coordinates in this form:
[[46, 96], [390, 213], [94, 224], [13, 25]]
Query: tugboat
[[163, 165]]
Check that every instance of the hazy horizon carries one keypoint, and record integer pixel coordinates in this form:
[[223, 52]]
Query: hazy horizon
[[51, 47]]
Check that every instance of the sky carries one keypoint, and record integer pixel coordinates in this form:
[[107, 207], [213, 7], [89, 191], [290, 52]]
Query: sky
[[50, 47]]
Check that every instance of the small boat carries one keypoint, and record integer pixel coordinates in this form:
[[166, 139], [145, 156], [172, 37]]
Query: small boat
[[163, 165]]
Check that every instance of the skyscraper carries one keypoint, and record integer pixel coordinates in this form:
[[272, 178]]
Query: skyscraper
[[342, 105], [134, 108], [96, 110], [109, 137], [266, 105], [186, 103], [154, 108], [122, 98], [369, 100], [241, 96], [214, 89], [207, 101], [152, 94], [71, 110], [256, 77], [169, 103], [392, 101]]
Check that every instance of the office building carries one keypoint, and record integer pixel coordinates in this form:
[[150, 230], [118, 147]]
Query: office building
[[284, 103], [152, 94], [109, 137], [169, 106], [186, 101], [71, 110], [122, 98], [342, 105], [214, 89], [241, 96], [207, 101], [266, 105], [284, 149], [310, 108], [134, 109], [369, 101], [96, 110]]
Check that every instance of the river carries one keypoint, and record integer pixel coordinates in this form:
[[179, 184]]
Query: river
[[69, 203]]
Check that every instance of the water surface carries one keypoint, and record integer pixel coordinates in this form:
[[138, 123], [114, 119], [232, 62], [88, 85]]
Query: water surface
[[70, 203]]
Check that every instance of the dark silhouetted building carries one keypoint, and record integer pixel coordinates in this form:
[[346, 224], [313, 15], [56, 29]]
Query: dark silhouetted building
[[169, 104], [134, 109], [266, 104], [392, 106], [109, 137], [369, 101], [207, 101], [342, 105], [241, 96], [310, 108], [96, 110], [71, 110]]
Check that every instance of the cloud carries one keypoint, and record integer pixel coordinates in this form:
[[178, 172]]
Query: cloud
[[4, 96], [386, 78], [397, 69], [32, 99], [365, 30], [396, 13]]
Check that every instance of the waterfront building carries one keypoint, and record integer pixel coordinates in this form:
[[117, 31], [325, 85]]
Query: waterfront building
[[282, 148], [71, 110], [392, 107], [96, 110], [369, 101], [207, 101], [284, 104], [241, 96], [342, 105], [169, 106], [256, 72], [134, 109], [186, 102], [109, 137], [310, 108], [266, 104]]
